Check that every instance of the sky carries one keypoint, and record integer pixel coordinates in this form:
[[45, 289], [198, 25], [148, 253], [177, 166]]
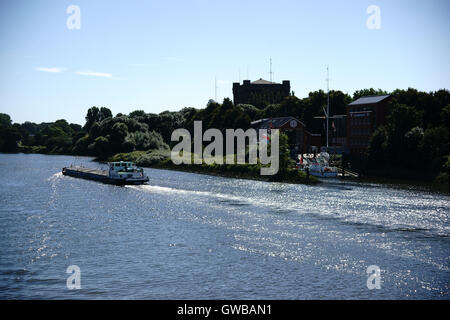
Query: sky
[[166, 55]]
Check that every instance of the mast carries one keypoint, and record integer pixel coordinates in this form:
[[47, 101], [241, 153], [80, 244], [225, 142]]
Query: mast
[[271, 73], [328, 101]]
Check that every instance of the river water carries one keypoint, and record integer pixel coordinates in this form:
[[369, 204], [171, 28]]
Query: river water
[[191, 236]]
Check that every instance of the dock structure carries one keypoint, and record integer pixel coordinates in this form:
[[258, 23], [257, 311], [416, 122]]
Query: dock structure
[[347, 173]]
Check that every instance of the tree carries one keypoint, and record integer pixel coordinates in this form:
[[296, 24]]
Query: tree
[[118, 134], [338, 102], [377, 146], [368, 92], [445, 116], [413, 157], [284, 155], [9, 137], [145, 140], [104, 113], [436, 146], [5, 120], [100, 147], [91, 117], [253, 112], [95, 114], [227, 104], [401, 120], [290, 106], [81, 145], [137, 114]]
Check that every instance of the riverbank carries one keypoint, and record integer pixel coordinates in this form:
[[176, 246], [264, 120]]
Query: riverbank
[[160, 159], [240, 172]]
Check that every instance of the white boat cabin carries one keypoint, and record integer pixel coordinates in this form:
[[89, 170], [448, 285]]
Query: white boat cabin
[[123, 167]]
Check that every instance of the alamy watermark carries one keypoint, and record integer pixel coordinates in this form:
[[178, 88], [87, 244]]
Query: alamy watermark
[[257, 147], [374, 20], [74, 280], [74, 20], [374, 279]]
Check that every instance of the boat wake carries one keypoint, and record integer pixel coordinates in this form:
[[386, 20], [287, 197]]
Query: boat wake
[[168, 190], [354, 217], [55, 177]]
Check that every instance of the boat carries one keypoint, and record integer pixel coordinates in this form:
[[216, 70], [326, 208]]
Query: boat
[[118, 173], [318, 166]]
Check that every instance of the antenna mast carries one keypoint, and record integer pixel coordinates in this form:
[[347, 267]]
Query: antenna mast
[[271, 73]]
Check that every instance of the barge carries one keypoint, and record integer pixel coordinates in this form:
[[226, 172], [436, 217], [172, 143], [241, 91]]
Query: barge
[[119, 173]]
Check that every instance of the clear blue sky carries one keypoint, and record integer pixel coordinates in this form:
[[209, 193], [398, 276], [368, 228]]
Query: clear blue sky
[[164, 55]]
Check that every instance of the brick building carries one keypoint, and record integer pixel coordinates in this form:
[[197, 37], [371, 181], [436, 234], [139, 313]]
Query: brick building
[[300, 139], [364, 115]]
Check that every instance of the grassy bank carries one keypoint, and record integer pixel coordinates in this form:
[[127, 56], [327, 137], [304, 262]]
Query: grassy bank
[[160, 159]]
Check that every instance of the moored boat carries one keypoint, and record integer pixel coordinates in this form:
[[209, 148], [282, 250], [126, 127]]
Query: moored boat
[[319, 166]]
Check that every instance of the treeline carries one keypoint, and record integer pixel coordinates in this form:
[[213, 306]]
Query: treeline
[[415, 138], [103, 134]]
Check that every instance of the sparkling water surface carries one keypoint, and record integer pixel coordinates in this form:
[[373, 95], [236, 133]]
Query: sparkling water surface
[[192, 236]]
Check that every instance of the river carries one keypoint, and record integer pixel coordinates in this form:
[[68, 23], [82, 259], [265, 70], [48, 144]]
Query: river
[[192, 236]]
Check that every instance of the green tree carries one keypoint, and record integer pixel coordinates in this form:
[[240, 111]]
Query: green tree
[[401, 120], [445, 116], [118, 134], [368, 92], [100, 147], [9, 137], [92, 116], [377, 146], [95, 114], [284, 155], [436, 147], [5, 120]]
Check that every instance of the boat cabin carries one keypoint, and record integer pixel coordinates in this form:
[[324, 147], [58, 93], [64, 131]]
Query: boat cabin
[[123, 166]]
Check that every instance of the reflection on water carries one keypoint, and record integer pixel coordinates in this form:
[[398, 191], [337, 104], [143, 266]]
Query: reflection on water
[[190, 236]]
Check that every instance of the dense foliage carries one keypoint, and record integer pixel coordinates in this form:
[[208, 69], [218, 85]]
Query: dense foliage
[[102, 135], [415, 138]]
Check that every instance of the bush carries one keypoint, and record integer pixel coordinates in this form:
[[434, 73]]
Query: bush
[[143, 158], [152, 158]]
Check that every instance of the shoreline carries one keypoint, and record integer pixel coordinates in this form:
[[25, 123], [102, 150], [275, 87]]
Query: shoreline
[[424, 185], [217, 173]]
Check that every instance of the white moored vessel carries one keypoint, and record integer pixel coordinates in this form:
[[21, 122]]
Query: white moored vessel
[[319, 166]]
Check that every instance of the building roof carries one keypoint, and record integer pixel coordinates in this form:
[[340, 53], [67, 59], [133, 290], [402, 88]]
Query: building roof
[[370, 99], [262, 81], [276, 122]]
